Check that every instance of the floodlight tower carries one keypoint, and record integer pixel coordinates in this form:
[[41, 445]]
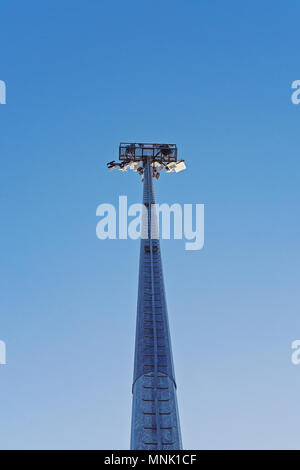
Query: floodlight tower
[[155, 419]]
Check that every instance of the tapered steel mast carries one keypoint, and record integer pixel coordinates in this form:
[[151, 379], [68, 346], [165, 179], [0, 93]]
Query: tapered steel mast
[[155, 419]]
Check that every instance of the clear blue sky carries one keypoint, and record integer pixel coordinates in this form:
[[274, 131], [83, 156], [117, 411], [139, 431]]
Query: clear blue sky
[[214, 77]]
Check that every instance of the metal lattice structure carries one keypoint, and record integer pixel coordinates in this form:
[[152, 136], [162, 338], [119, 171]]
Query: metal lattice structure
[[155, 419]]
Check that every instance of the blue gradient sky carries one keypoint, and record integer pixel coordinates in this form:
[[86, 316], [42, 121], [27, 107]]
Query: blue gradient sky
[[215, 78]]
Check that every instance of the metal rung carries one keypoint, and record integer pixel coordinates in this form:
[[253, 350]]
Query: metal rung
[[158, 355], [155, 443], [154, 428]]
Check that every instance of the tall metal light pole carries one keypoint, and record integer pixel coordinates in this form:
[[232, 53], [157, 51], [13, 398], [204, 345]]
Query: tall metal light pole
[[155, 419]]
